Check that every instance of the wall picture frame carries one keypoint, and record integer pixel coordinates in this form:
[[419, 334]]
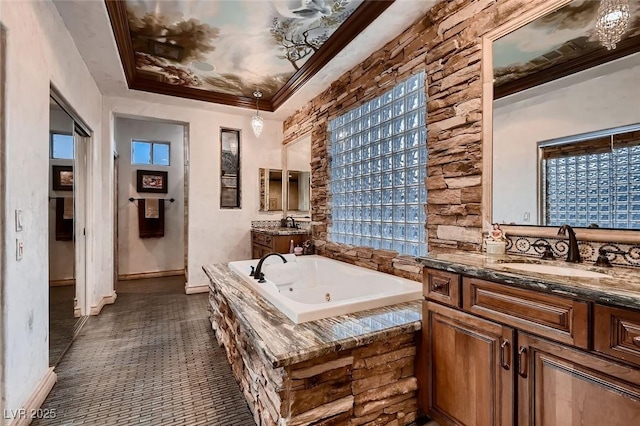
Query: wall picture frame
[[152, 181], [62, 178]]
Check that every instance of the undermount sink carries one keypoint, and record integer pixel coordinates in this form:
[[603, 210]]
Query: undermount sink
[[554, 270]]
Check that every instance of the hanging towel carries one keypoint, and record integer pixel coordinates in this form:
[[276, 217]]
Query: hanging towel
[[151, 209], [150, 227], [64, 224], [68, 208]]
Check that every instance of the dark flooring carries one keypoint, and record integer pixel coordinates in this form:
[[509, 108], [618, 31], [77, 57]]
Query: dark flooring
[[149, 359], [62, 323]]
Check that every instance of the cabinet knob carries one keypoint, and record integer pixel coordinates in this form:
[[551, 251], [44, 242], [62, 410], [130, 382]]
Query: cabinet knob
[[636, 341]]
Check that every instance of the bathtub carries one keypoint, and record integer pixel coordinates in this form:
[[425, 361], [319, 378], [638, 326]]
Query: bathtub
[[308, 288]]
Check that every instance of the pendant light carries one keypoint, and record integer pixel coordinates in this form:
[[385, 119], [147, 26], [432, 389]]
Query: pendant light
[[612, 22], [257, 121]]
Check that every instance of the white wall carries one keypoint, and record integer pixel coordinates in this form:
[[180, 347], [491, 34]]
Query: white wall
[[600, 103], [214, 234], [61, 253], [40, 52], [135, 254]]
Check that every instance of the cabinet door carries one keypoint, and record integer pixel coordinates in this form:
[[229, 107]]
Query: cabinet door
[[256, 251], [561, 386], [469, 368]]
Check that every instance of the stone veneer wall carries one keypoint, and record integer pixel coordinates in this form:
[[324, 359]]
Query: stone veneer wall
[[447, 43], [369, 385]]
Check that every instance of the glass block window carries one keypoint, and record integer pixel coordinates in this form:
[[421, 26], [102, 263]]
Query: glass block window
[[156, 153], [593, 181], [377, 168], [62, 146]]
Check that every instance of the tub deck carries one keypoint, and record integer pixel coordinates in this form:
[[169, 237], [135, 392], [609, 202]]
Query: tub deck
[[283, 342]]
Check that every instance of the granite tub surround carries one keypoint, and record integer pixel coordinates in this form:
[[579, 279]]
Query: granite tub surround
[[621, 287], [351, 369]]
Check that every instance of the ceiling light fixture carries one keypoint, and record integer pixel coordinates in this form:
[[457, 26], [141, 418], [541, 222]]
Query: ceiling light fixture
[[612, 21], [257, 121]]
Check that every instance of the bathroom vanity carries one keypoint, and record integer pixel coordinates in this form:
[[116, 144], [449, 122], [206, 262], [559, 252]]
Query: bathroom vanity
[[504, 346], [278, 240]]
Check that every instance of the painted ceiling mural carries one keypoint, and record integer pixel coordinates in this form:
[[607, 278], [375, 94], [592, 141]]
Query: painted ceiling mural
[[232, 47], [553, 39]]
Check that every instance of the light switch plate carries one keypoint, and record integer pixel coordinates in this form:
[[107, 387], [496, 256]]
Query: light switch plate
[[18, 220], [19, 248]]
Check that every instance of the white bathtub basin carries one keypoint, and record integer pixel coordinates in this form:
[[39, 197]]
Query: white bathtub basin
[[554, 270], [325, 288]]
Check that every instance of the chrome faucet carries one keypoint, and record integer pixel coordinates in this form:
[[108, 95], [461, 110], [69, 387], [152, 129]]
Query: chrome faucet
[[573, 255], [258, 274]]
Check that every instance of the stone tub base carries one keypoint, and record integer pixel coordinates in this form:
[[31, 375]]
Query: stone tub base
[[374, 384]]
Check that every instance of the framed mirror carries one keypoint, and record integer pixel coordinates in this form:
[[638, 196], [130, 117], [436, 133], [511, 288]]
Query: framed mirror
[[271, 190], [560, 121], [297, 160]]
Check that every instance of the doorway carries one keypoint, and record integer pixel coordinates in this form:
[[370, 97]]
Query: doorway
[[150, 199], [67, 251]]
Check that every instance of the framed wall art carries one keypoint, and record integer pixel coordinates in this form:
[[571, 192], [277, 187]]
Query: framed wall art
[[152, 181]]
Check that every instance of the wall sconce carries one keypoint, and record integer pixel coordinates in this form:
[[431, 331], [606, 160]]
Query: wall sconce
[[257, 121]]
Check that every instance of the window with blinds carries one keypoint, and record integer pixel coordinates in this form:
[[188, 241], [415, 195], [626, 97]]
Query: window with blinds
[[595, 180]]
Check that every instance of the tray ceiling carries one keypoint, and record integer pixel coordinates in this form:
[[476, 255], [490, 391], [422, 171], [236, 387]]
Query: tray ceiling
[[222, 51], [556, 45]]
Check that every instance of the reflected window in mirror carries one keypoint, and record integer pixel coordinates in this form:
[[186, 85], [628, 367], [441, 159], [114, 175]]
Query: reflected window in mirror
[[377, 168], [592, 179]]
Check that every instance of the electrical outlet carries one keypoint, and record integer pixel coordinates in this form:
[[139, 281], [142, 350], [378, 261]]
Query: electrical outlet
[[527, 216], [19, 248]]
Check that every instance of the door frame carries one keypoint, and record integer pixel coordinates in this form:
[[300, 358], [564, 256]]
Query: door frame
[[83, 141], [3, 193]]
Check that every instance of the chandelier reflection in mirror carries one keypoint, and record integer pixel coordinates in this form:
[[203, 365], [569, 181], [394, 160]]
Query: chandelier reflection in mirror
[[256, 121], [612, 22]]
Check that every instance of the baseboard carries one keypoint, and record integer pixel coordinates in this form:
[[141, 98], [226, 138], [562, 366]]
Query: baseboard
[[195, 289], [35, 400], [62, 283], [157, 274], [106, 300]]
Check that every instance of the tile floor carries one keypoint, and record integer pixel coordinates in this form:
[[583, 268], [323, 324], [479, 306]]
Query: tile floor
[[149, 359]]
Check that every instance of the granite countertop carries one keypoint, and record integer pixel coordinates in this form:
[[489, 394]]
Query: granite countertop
[[283, 343], [621, 287], [281, 231]]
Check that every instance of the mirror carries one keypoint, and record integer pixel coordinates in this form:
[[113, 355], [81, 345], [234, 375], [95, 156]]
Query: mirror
[[557, 89], [298, 191], [297, 158], [271, 186]]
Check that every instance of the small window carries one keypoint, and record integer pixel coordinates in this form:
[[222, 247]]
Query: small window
[[156, 153], [230, 170], [61, 146]]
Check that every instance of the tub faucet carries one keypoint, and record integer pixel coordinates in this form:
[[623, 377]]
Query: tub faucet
[[573, 255], [258, 274]]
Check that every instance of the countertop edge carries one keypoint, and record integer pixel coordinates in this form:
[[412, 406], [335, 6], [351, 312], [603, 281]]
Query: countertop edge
[[534, 282]]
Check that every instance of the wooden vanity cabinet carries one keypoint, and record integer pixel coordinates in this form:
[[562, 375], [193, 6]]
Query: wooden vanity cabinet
[[469, 368], [559, 385], [263, 243], [508, 356]]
